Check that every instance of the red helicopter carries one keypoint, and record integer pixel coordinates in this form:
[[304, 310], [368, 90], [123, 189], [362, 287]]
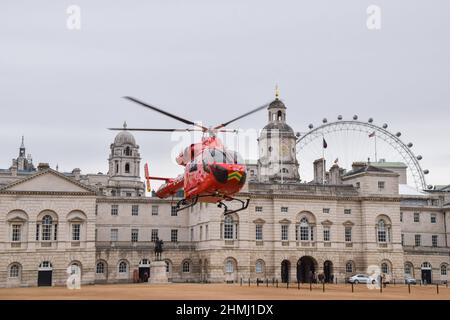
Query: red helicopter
[[212, 172]]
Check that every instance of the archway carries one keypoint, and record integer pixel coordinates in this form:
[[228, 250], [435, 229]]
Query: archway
[[45, 272], [306, 269], [285, 270], [144, 270], [426, 272], [328, 271]]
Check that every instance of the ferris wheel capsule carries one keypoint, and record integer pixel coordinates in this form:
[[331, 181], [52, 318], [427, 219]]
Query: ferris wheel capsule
[[310, 126], [370, 120], [410, 145], [419, 157], [385, 126], [324, 120], [426, 171], [355, 117], [398, 134], [339, 117]]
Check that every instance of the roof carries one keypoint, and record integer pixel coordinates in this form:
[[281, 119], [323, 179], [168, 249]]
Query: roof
[[389, 164], [367, 168], [404, 189], [280, 126], [277, 103]]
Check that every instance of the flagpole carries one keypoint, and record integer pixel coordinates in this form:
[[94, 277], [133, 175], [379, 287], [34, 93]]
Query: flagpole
[[323, 159], [376, 160]]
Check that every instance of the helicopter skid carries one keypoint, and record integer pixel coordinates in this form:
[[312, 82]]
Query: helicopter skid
[[187, 203]]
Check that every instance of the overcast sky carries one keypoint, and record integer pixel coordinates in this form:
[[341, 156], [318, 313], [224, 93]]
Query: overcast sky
[[212, 60]]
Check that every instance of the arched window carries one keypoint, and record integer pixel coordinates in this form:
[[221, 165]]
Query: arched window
[[123, 267], [228, 228], [382, 231], [127, 151], [47, 222], [117, 167], [349, 267], [426, 265], [259, 267], [229, 266], [144, 262], [186, 267], [443, 270], [305, 230], [167, 266], [45, 265], [100, 268], [127, 167], [279, 115], [384, 267], [14, 271]]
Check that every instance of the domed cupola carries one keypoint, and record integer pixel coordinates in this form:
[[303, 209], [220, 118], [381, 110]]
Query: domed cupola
[[277, 146], [124, 137]]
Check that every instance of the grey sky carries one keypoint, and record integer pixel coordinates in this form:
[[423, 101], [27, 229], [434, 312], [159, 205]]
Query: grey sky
[[209, 61]]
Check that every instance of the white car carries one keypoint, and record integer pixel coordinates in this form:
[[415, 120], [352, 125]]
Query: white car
[[361, 278]]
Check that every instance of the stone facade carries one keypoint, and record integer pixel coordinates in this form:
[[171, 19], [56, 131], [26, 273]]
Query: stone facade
[[104, 223]]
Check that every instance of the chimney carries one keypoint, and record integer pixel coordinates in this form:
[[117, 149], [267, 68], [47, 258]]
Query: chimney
[[43, 166], [13, 170], [76, 173], [319, 168], [335, 174]]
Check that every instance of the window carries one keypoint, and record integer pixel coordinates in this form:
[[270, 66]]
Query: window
[[381, 231], [326, 210], [228, 228], [284, 209], [186, 266], [433, 218], [381, 185], [347, 211], [444, 270], [127, 168], [417, 240], [306, 231], [416, 217], [326, 234], [14, 271], [174, 235], [123, 267], [134, 235], [16, 232], [408, 269], [206, 232], [434, 240], [96, 232], [76, 232], [155, 210], [127, 151], [348, 234], [192, 234], [134, 210], [201, 233], [284, 232], [384, 267], [401, 216], [173, 211], [47, 222], [358, 185], [55, 232], [100, 268], [37, 232], [403, 239], [349, 267], [259, 267], [259, 232], [114, 210], [167, 267], [258, 209], [154, 236], [114, 234], [229, 266]]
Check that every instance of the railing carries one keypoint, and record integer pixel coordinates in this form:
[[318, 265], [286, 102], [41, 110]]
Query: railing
[[144, 245]]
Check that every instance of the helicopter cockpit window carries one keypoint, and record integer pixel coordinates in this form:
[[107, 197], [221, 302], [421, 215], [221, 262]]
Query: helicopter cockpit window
[[222, 156], [193, 167]]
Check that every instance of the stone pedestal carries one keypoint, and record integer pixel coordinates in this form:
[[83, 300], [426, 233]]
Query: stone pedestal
[[158, 272]]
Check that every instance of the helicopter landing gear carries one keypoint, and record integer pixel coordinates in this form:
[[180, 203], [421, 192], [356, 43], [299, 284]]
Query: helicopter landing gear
[[185, 203], [243, 203]]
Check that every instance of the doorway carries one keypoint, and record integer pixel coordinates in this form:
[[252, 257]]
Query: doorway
[[45, 274], [144, 270], [306, 269], [328, 271], [285, 270]]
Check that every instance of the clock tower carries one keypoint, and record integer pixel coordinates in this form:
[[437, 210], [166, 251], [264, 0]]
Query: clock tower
[[277, 147]]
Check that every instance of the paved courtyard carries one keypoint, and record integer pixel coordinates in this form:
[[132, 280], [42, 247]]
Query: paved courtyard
[[224, 292]]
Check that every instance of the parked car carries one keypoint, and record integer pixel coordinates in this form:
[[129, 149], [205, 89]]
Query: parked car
[[361, 278], [410, 280]]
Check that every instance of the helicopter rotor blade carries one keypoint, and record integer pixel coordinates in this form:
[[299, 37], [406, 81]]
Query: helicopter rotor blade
[[242, 116], [165, 113], [156, 130]]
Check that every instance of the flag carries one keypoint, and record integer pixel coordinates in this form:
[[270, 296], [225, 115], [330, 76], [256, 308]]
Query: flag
[[325, 145], [372, 134], [337, 160]]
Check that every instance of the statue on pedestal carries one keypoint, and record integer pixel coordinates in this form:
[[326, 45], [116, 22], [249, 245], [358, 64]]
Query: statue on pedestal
[[158, 249]]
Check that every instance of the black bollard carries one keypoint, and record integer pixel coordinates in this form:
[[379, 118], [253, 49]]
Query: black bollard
[[267, 282], [257, 282], [298, 284], [241, 282], [310, 285], [381, 287], [409, 288], [249, 282], [277, 283], [437, 288], [352, 287], [323, 286], [287, 284]]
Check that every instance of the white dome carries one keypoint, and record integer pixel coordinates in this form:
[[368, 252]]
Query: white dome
[[124, 137]]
